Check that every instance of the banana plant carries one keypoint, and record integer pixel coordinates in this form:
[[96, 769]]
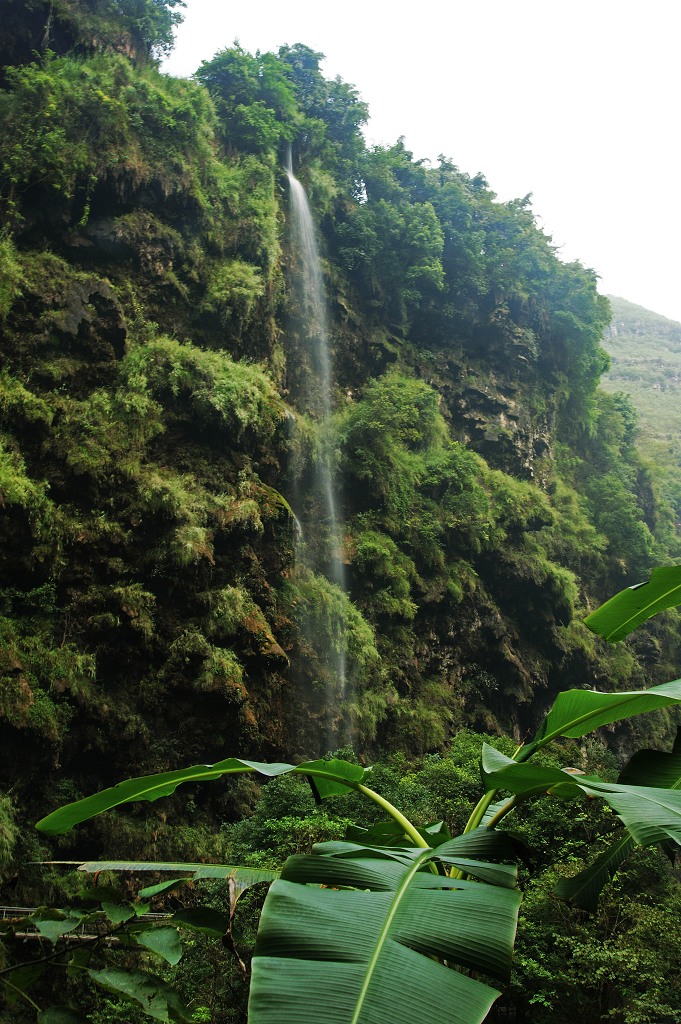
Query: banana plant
[[620, 616], [406, 923]]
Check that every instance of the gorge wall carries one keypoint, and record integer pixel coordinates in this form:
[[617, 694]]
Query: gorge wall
[[152, 427]]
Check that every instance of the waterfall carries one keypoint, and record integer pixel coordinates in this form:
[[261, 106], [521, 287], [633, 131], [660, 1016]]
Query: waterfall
[[315, 376]]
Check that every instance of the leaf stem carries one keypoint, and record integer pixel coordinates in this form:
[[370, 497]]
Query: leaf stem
[[21, 993], [522, 753], [478, 812], [502, 812], [396, 815]]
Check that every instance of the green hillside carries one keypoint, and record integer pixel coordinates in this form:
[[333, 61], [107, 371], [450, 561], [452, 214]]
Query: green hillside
[[645, 354], [645, 363]]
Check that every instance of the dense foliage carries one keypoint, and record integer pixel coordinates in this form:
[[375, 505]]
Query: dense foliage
[[427, 901]]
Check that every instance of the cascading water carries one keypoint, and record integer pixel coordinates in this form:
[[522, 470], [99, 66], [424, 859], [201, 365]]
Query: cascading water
[[315, 377]]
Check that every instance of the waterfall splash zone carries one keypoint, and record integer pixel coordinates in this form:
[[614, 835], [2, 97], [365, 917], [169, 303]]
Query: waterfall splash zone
[[316, 383]]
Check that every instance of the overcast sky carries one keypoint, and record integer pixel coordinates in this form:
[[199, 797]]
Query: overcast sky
[[577, 103]]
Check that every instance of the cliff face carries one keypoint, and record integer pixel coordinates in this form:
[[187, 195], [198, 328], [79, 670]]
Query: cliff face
[[152, 444]]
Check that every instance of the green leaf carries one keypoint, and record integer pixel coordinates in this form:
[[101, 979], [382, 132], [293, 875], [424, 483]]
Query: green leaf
[[350, 848], [331, 777], [80, 957], [93, 867], [653, 768], [584, 888], [61, 1015], [577, 712], [165, 941], [479, 843], [354, 956], [244, 877], [147, 787], [650, 814], [203, 919], [625, 611], [155, 997], [53, 923], [484, 842], [118, 913], [389, 833], [154, 890], [436, 833], [524, 779]]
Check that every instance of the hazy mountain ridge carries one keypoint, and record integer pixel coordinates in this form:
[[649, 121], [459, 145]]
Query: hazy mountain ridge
[[645, 353]]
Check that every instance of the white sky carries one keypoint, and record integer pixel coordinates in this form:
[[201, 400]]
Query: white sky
[[576, 102]]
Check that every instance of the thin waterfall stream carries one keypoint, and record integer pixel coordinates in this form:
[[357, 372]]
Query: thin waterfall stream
[[316, 386]]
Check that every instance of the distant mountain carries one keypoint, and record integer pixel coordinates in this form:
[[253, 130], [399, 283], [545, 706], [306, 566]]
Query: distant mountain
[[645, 352]]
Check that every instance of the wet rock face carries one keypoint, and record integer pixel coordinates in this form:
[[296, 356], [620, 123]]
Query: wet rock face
[[99, 241], [138, 238], [23, 32], [492, 424], [74, 321], [92, 316], [493, 415]]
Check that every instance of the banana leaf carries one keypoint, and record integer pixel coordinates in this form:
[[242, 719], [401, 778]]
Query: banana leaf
[[650, 814], [584, 888], [385, 946], [242, 876], [654, 768], [329, 777], [625, 611], [577, 712]]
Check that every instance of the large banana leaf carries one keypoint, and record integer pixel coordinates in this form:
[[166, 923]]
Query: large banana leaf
[[243, 876], [651, 814], [372, 951], [625, 611], [639, 796], [646, 768], [329, 777], [653, 768], [482, 843], [577, 712]]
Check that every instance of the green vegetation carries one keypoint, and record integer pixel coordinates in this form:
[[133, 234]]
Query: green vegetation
[[645, 360], [428, 902], [645, 357]]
